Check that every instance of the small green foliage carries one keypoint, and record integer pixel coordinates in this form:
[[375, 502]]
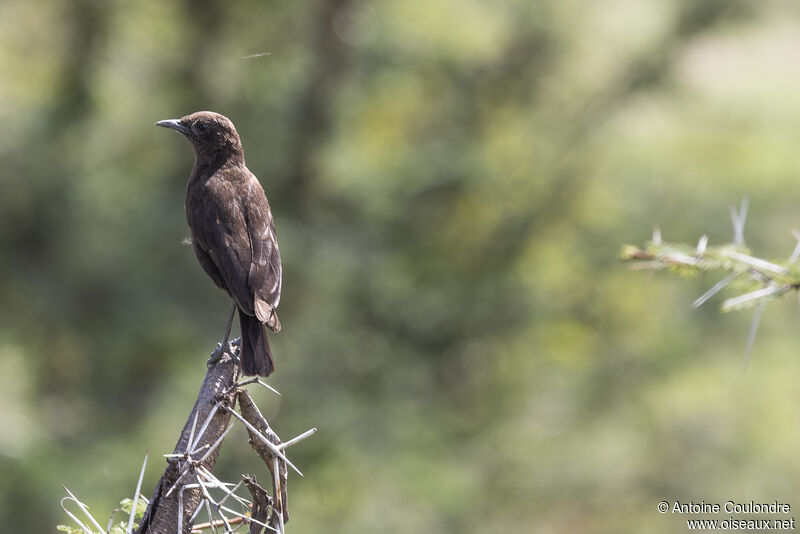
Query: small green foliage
[[121, 527], [628, 252], [126, 504]]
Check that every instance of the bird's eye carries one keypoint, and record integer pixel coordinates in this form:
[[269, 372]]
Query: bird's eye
[[203, 127]]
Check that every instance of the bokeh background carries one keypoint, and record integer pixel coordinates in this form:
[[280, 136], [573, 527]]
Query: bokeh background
[[451, 181]]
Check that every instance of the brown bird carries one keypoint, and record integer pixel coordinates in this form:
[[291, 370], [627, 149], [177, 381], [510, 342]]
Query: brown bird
[[232, 232]]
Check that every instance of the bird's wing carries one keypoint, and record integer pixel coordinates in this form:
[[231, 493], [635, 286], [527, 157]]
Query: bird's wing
[[219, 234], [208, 265], [264, 274]]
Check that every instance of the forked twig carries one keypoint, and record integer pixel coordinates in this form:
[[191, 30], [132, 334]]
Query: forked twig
[[189, 486], [759, 281]]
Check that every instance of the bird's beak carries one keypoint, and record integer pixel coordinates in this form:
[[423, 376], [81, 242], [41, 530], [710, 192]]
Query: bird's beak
[[175, 124]]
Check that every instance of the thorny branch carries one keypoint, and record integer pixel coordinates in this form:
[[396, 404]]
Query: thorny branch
[[758, 281], [188, 487]]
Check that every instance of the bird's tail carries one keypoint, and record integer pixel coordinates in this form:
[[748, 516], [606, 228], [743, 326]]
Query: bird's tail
[[255, 353]]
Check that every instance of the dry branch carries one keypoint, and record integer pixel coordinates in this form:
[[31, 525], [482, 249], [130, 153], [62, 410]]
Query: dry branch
[[163, 511], [188, 486], [252, 415], [758, 281]]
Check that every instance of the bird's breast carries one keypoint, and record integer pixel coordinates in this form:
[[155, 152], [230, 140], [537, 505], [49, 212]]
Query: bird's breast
[[213, 206]]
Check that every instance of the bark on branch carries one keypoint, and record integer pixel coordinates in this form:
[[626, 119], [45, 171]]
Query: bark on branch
[[185, 485], [204, 429]]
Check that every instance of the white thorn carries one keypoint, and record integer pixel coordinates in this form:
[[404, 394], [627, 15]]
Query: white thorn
[[758, 263], [197, 512], [738, 219], [72, 516], [210, 516], [735, 302], [136, 495], [263, 439], [796, 253], [210, 501], [272, 389], [682, 258], [298, 439], [191, 447], [247, 518], [216, 443], [719, 286], [278, 493], [191, 433], [84, 509], [702, 244], [180, 511], [751, 337]]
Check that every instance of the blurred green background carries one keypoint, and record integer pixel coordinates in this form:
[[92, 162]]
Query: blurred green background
[[451, 182]]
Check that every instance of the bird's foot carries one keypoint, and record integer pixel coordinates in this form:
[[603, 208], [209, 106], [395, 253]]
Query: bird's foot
[[227, 347]]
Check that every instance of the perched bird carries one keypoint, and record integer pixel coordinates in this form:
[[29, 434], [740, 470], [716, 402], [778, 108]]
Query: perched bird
[[232, 232]]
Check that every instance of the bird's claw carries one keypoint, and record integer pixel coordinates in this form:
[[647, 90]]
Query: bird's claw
[[219, 351]]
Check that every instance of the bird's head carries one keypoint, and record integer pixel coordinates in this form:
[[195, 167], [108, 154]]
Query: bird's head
[[212, 135]]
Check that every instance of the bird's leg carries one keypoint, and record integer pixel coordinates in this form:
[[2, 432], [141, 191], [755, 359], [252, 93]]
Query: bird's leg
[[230, 321], [225, 345]]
